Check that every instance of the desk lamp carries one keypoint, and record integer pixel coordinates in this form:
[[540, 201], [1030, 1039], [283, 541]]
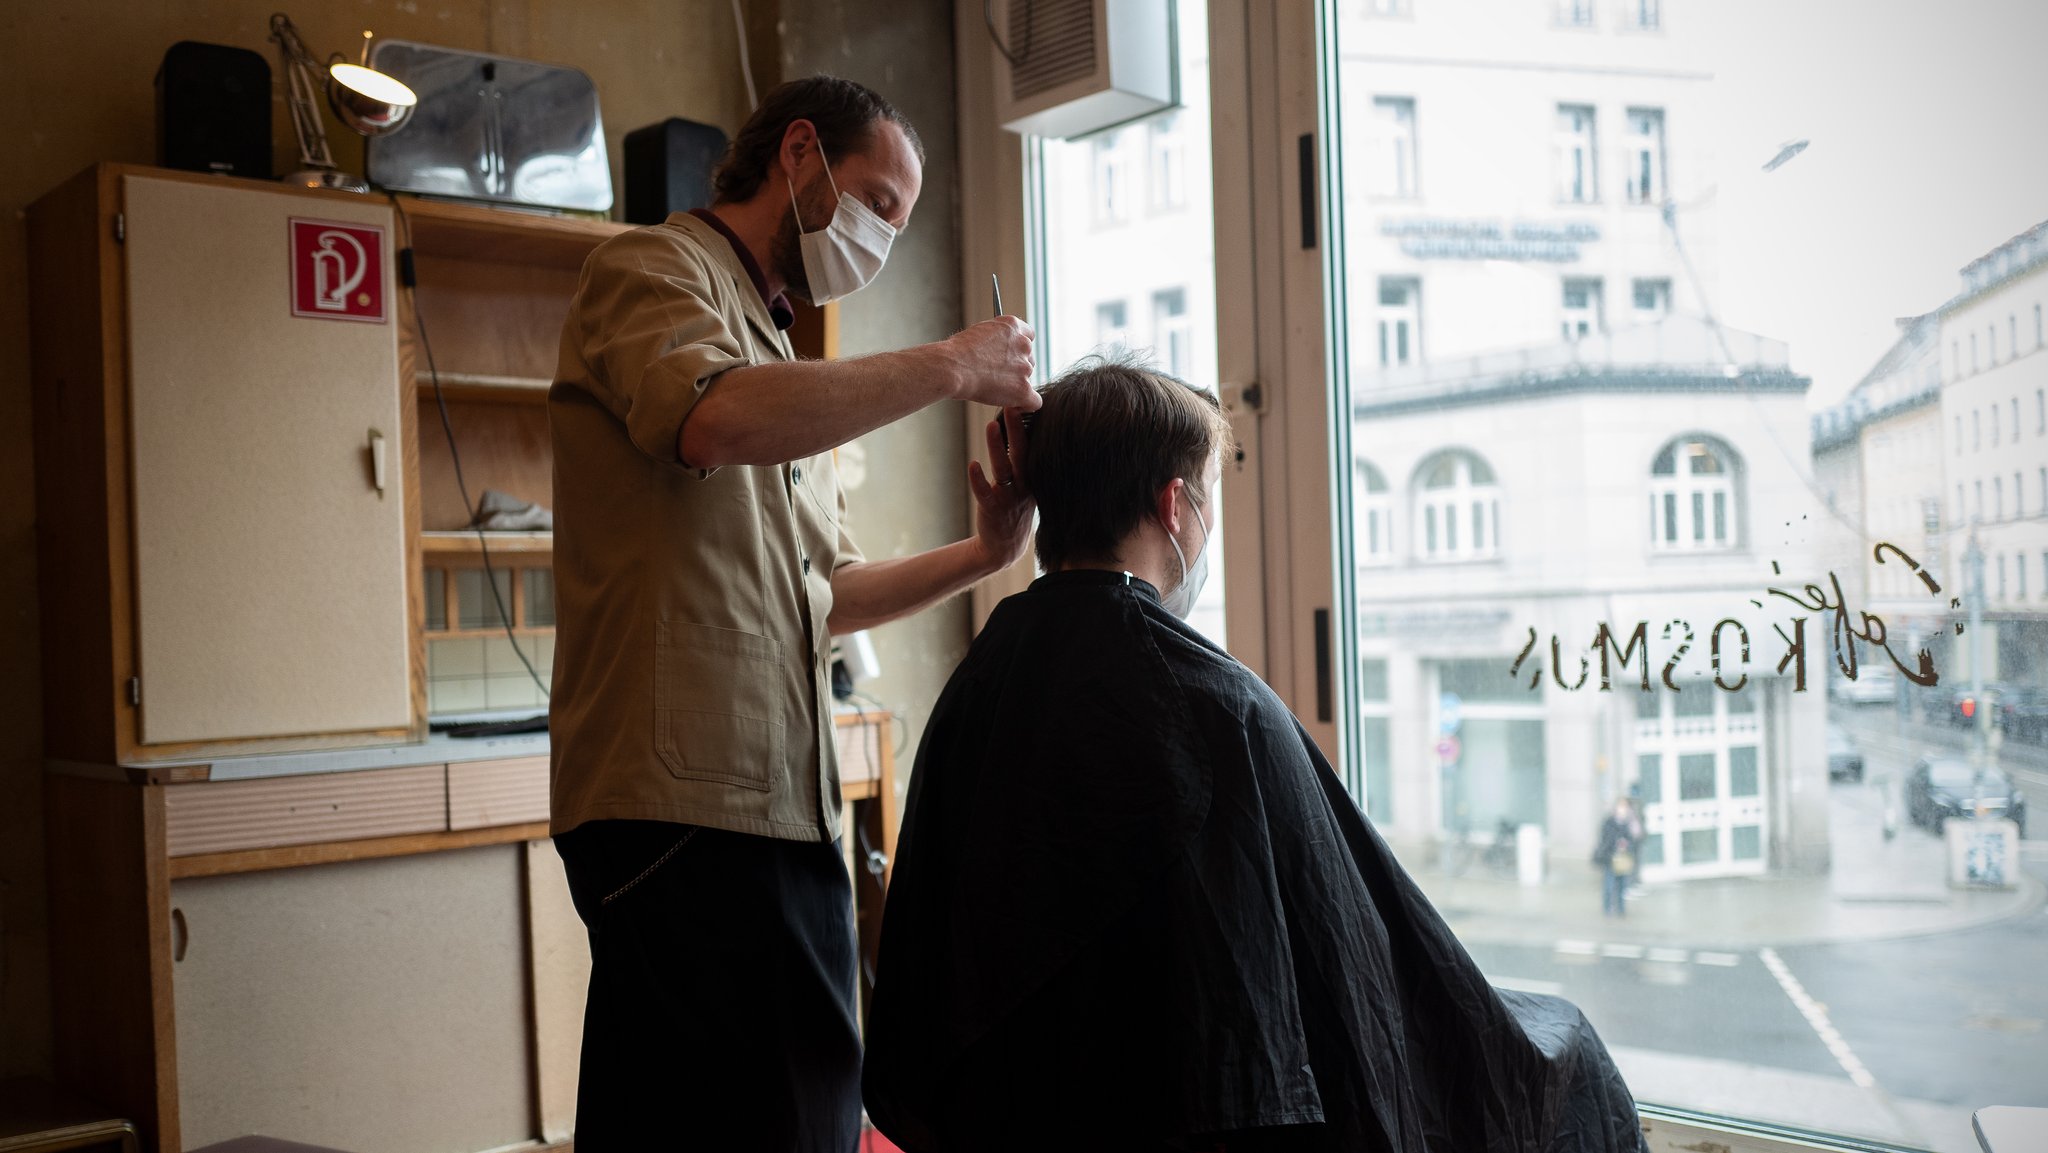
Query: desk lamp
[[365, 99]]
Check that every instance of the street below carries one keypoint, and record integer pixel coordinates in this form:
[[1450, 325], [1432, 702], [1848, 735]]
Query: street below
[[1912, 1005]]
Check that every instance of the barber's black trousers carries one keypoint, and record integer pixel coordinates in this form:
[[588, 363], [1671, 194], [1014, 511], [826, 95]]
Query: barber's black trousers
[[723, 1011]]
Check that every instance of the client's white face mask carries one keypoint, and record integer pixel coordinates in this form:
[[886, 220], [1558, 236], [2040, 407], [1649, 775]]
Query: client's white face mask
[[847, 254], [1181, 601]]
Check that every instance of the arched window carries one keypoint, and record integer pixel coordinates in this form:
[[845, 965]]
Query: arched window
[[1692, 496], [1372, 508], [1457, 508]]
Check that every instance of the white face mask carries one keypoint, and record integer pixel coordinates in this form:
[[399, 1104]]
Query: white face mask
[[1181, 601], [847, 254]]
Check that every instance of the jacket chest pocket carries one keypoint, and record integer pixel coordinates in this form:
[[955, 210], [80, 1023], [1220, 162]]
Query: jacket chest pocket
[[718, 697]]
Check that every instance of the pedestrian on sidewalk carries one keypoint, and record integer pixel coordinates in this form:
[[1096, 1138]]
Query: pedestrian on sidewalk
[[1620, 834]]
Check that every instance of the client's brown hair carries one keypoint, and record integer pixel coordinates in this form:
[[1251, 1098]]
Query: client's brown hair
[[1112, 433]]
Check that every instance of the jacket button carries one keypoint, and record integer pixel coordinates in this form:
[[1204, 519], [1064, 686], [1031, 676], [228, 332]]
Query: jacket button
[[796, 475], [807, 564]]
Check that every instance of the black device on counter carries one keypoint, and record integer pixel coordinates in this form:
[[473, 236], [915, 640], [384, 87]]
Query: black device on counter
[[213, 110], [668, 168]]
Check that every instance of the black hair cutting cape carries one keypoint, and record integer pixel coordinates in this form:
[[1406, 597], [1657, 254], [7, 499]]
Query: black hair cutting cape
[[1132, 904]]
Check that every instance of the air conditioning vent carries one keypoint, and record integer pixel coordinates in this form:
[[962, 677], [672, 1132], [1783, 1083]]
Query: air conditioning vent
[[1055, 43], [1084, 65]]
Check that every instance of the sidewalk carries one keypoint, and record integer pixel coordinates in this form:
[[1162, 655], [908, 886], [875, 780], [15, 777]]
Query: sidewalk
[[1805, 1100], [1876, 889]]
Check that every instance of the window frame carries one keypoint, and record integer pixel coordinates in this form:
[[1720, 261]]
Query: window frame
[[1275, 345]]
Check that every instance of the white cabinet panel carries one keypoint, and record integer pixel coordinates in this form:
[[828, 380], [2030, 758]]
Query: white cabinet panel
[[270, 568]]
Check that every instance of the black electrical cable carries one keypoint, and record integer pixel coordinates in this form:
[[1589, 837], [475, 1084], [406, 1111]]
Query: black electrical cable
[[988, 17], [903, 724], [409, 275]]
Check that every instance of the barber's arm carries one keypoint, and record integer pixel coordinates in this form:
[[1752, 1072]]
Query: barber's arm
[[779, 412], [870, 593]]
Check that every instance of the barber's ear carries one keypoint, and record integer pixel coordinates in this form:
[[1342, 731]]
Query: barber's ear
[[799, 140]]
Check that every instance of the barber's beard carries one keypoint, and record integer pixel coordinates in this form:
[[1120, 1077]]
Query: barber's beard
[[787, 251]]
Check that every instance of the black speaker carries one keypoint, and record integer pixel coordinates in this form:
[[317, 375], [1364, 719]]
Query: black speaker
[[668, 168], [213, 110]]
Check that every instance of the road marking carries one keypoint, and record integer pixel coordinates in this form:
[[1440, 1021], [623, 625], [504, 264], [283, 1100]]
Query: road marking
[[1527, 985], [1669, 956], [1816, 1015], [1724, 960], [1578, 948], [1625, 952]]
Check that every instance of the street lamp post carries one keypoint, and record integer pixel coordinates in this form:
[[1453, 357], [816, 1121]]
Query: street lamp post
[[1980, 720]]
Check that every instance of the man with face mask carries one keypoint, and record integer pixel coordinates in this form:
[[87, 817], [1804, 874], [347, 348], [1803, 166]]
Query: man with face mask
[[1133, 909], [702, 566]]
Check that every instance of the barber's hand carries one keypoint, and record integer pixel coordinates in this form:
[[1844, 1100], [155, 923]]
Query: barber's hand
[[993, 363], [1003, 506]]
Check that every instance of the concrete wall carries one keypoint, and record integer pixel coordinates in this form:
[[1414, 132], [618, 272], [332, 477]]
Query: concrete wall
[[79, 77], [912, 476]]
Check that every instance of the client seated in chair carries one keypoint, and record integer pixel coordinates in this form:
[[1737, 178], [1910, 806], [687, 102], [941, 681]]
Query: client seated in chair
[[1134, 909]]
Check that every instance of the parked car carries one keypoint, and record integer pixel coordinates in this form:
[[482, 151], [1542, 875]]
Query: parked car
[[1944, 786], [2022, 711], [1845, 760], [1874, 685]]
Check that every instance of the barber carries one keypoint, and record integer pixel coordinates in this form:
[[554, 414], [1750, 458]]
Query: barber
[[702, 565]]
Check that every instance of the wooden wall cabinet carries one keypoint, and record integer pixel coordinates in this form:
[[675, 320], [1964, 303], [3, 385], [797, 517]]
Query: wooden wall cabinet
[[236, 601], [224, 561]]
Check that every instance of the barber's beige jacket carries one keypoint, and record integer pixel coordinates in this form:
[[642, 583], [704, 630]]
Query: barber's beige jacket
[[691, 653]]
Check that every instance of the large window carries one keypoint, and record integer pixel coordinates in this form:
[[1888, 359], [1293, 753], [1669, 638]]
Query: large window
[[1124, 267], [1605, 457], [1616, 439]]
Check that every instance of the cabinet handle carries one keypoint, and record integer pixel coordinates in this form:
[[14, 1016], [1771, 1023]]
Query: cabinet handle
[[181, 934], [377, 460]]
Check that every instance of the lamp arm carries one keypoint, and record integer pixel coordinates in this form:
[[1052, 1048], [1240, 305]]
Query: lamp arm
[[302, 74]]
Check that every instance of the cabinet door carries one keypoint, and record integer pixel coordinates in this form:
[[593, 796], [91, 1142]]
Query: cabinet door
[[269, 565]]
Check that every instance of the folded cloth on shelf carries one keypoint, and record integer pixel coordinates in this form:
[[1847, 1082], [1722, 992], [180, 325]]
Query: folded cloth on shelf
[[503, 512]]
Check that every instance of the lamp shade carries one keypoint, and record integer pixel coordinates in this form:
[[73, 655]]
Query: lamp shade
[[367, 100]]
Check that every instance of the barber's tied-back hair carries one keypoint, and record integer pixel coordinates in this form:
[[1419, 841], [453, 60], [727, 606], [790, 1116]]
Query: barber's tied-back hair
[[1114, 431], [844, 113]]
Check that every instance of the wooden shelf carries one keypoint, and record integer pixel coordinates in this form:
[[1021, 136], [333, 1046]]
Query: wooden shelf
[[504, 235], [485, 387], [464, 541]]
